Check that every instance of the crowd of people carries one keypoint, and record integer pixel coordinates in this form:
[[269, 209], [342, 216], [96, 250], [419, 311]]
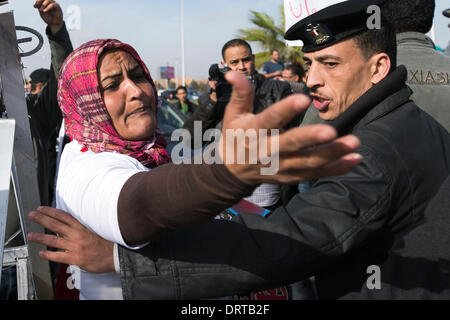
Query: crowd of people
[[362, 183]]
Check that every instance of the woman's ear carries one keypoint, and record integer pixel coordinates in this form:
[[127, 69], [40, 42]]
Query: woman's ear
[[381, 65]]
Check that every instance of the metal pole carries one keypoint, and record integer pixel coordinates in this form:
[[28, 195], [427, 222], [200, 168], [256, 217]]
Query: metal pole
[[177, 73], [182, 44]]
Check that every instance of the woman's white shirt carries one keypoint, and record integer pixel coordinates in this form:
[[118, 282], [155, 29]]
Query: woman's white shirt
[[88, 187]]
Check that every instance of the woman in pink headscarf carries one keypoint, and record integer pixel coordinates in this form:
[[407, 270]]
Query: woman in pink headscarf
[[109, 104]]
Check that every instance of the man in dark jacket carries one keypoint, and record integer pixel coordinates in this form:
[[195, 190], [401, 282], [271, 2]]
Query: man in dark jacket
[[43, 110], [349, 230], [237, 55]]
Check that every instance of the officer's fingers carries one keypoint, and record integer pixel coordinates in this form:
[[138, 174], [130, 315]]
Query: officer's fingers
[[326, 153], [335, 168], [59, 215], [49, 240], [296, 139], [49, 223], [296, 171], [58, 257], [241, 100], [279, 114]]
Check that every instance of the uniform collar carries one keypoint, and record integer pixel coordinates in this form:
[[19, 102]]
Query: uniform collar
[[381, 99], [414, 38]]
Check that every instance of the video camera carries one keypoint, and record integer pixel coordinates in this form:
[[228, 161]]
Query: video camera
[[223, 88]]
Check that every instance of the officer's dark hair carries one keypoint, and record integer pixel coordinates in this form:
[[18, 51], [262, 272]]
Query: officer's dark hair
[[181, 87], [235, 43], [410, 15], [377, 41], [296, 69]]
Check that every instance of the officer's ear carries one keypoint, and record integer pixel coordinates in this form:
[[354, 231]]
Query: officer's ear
[[223, 64], [380, 67]]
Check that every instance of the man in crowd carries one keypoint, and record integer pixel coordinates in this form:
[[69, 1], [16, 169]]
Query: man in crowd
[[357, 233], [274, 67], [295, 75], [237, 55], [183, 103]]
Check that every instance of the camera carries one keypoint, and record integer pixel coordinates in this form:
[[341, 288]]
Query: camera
[[223, 88]]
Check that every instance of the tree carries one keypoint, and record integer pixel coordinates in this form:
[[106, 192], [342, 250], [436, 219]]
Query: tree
[[269, 36]]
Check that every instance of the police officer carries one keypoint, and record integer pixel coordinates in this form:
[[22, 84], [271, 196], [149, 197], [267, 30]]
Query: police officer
[[428, 69]]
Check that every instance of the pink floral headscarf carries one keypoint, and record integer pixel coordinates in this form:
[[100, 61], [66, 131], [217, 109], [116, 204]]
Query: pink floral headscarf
[[85, 116]]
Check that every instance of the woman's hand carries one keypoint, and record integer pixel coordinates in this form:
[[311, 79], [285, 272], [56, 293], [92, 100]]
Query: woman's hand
[[79, 246]]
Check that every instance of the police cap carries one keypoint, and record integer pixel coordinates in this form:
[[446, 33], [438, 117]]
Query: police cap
[[332, 24]]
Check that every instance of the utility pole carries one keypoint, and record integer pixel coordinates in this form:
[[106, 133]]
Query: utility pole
[[182, 44]]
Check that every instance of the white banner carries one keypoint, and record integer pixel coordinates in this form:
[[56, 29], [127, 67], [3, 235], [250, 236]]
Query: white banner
[[296, 10]]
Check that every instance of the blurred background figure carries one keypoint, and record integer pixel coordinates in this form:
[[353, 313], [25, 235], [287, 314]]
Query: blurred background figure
[[295, 75], [428, 68], [38, 79], [184, 104], [274, 66]]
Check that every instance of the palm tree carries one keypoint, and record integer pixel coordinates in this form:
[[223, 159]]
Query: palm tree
[[269, 36]]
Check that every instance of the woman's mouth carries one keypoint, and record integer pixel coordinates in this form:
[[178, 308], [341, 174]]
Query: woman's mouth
[[138, 112]]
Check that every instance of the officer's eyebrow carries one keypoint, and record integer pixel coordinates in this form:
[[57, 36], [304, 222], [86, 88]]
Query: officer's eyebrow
[[328, 57]]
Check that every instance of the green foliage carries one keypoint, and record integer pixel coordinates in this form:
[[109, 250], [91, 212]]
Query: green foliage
[[269, 36]]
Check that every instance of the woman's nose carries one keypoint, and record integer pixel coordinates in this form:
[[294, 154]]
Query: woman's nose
[[131, 88]]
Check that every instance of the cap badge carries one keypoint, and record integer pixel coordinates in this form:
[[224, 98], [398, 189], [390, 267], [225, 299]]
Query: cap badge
[[318, 33]]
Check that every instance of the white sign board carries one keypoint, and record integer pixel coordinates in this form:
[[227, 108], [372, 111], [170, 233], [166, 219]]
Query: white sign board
[[6, 152], [296, 10]]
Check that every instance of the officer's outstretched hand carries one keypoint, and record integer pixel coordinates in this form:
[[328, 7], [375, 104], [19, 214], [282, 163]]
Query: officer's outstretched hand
[[51, 13], [79, 245], [255, 154]]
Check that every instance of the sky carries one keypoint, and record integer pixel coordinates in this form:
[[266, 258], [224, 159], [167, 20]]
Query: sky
[[153, 27]]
